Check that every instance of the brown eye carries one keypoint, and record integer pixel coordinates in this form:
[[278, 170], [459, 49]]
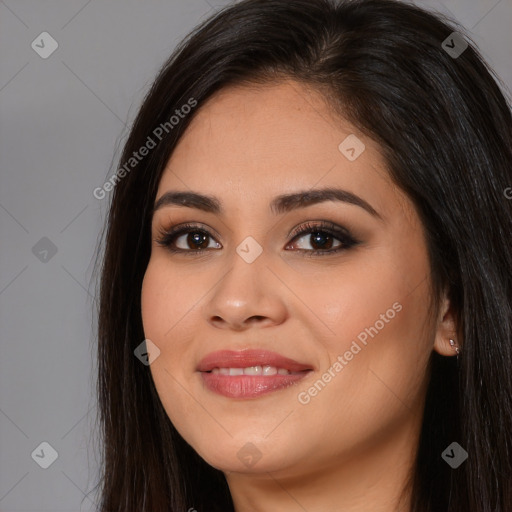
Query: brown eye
[[320, 240], [195, 240], [186, 238], [324, 237]]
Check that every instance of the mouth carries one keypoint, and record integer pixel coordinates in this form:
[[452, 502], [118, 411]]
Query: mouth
[[253, 370], [249, 373]]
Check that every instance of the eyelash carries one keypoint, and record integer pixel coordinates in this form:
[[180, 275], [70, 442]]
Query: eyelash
[[167, 238]]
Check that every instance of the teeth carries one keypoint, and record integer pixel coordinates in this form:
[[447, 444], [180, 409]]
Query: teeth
[[269, 370], [252, 370]]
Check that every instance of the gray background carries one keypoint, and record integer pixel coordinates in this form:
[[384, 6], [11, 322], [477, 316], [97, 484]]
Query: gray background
[[63, 120]]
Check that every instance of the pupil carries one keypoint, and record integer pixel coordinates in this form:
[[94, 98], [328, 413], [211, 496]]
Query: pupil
[[319, 238], [197, 238]]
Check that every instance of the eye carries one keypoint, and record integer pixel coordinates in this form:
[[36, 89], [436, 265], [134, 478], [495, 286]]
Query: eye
[[193, 239], [325, 238]]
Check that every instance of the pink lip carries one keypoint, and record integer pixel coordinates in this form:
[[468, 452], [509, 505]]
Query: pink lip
[[245, 358], [249, 386]]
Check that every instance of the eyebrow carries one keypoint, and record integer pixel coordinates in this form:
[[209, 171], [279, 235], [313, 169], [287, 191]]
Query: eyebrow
[[279, 205]]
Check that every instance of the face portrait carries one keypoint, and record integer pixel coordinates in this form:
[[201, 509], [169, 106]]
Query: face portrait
[[338, 282]]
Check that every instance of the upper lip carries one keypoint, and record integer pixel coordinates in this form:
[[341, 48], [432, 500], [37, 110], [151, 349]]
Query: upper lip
[[247, 358]]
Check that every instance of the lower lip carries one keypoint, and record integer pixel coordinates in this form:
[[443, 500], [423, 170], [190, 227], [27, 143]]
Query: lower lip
[[249, 386]]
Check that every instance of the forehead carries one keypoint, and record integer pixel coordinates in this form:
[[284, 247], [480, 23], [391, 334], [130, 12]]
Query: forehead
[[254, 141]]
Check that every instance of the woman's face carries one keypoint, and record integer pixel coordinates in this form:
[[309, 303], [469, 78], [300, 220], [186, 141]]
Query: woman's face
[[354, 319]]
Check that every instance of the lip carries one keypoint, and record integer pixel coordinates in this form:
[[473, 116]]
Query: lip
[[249, 386], [245, 358]]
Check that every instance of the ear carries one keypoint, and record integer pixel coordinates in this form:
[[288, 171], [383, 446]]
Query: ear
[[446, 329]]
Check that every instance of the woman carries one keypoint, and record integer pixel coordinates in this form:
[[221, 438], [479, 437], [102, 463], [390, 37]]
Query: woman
[[307, 282]]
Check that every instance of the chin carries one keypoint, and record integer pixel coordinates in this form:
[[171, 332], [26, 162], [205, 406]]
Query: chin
[[246, 456]]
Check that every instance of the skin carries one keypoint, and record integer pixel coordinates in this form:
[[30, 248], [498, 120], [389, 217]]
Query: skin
[[351, 447]]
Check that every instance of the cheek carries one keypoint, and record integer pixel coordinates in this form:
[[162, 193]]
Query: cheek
[[375, 379], [153, 299], [371, 293], [379, 344], [164, 307], [165, 301]]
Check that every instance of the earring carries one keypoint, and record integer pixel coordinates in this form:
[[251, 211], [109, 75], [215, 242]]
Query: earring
[[453, 345]]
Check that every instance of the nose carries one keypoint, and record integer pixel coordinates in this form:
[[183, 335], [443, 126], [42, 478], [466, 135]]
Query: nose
[[248, 295]]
